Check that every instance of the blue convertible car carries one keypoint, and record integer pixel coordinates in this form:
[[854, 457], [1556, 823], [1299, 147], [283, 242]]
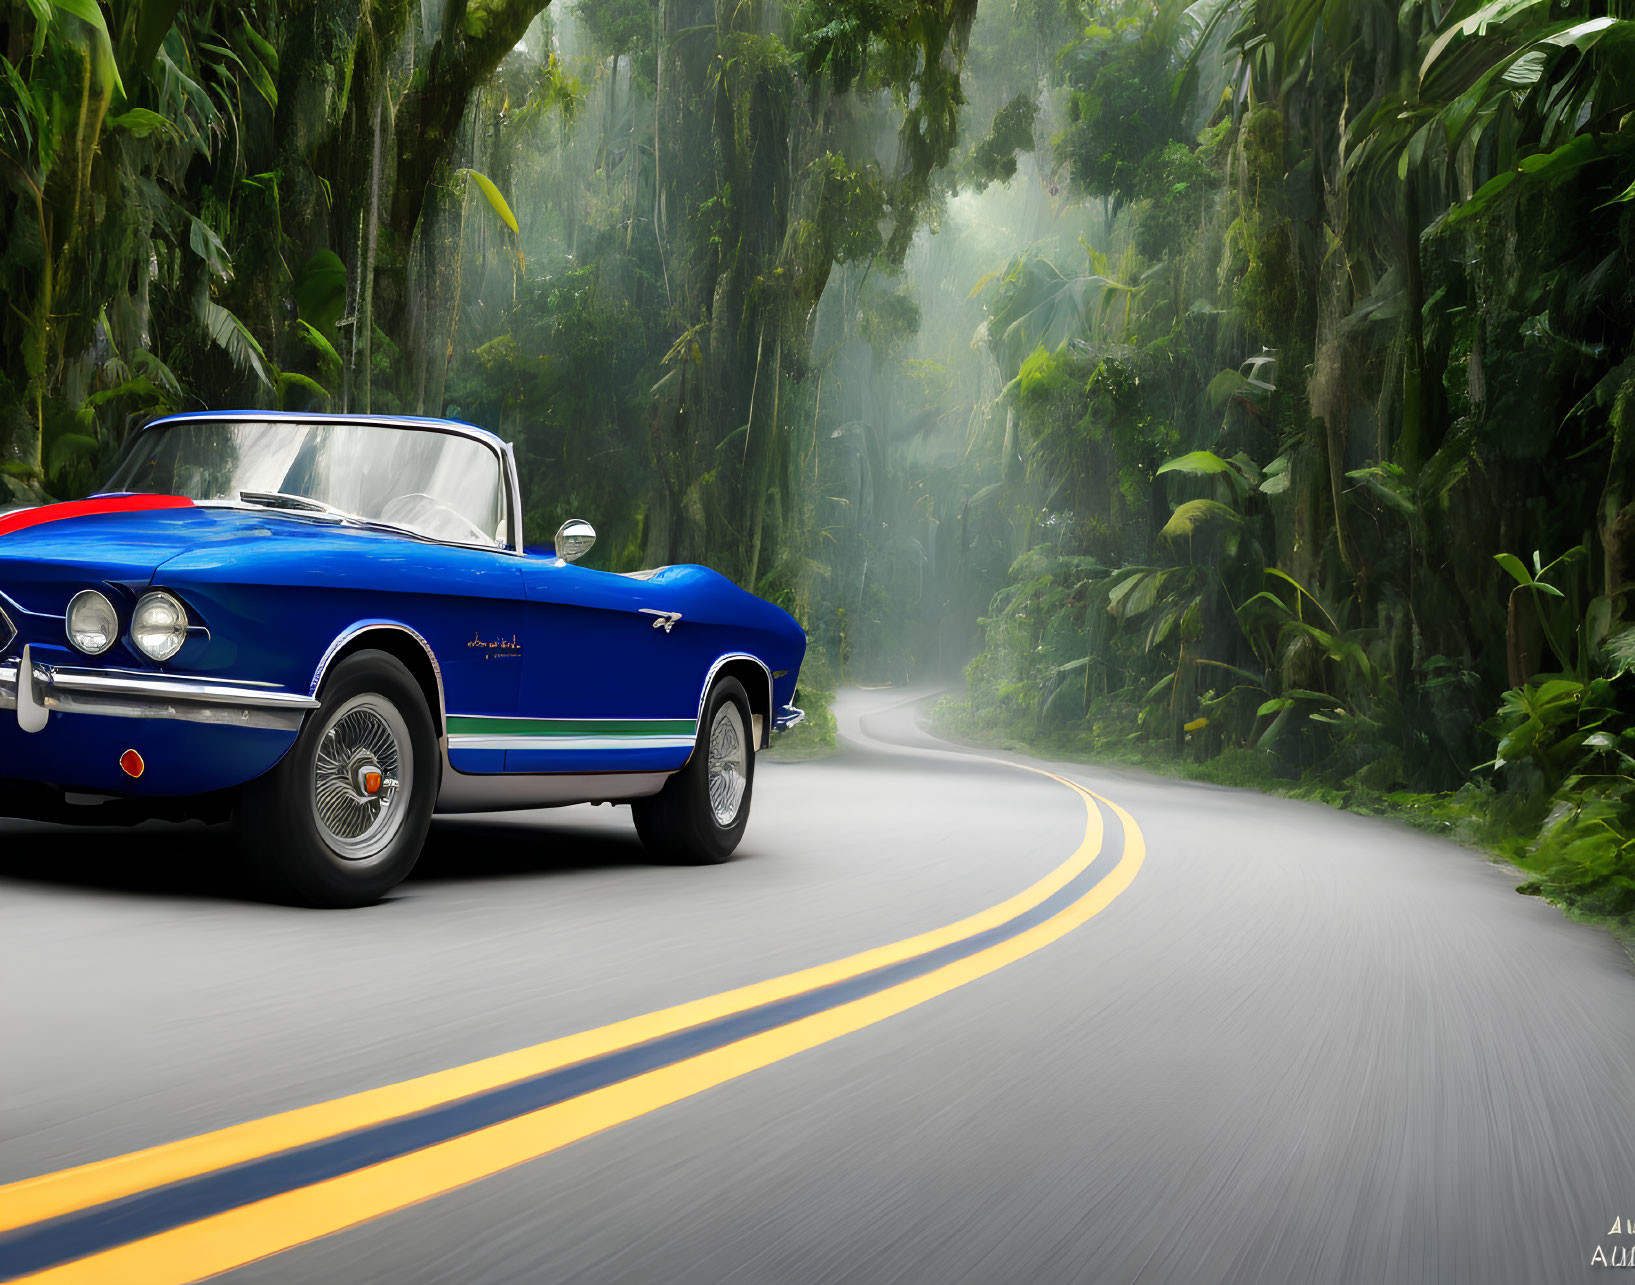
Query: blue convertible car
[[328, 627]]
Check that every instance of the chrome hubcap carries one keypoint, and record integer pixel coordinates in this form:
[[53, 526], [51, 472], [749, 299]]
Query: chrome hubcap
[[363, 776], [729, 764]]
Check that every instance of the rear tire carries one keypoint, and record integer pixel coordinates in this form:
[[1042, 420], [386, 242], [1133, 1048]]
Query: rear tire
[[342, 819], [700, 815]]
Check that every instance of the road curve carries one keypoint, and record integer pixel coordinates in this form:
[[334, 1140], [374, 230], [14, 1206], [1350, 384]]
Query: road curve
[[1297, 1046]]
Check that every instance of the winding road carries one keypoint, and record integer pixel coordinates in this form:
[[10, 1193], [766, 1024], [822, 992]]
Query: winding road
[[950, 1017]]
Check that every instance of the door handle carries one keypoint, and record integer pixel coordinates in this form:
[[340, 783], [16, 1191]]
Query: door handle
[[665, 620]]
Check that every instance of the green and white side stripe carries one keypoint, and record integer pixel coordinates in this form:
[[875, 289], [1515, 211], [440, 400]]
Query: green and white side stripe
[[470, 733]]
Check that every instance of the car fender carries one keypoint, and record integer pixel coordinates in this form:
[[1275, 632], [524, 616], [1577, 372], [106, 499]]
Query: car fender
[[762, 733], [362, 628]]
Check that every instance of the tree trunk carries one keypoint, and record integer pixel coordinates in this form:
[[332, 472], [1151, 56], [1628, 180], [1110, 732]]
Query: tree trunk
[[427, 119], [762, 475], [371, 239], [1522, 638]]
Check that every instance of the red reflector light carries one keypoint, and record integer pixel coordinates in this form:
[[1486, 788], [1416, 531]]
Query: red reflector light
[[131, 762]]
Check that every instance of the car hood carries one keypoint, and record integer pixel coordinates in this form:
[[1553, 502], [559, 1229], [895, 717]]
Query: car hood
[[84, 548]]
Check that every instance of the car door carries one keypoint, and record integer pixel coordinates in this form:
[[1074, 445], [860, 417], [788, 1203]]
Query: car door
[[611, 675], [475, 615]]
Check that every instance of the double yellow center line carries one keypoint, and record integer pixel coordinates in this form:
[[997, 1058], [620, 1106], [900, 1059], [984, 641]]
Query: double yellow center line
[[203, 1205]]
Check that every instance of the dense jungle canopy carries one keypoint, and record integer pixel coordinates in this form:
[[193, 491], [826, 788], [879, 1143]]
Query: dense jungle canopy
[[1249, 384]]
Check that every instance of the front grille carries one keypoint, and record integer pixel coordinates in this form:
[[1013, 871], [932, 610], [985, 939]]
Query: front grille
[[8, 631]]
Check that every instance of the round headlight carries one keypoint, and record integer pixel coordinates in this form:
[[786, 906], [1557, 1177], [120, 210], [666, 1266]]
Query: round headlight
[[159, 625], [93, 624]]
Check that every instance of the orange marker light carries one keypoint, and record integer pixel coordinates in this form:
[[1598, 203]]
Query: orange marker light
[[132, 764], [371, 782]]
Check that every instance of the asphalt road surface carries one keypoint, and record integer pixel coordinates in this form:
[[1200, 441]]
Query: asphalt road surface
[[1298, 1046]]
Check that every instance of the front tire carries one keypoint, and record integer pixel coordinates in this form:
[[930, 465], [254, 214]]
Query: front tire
[[700, 815], [342, 819]]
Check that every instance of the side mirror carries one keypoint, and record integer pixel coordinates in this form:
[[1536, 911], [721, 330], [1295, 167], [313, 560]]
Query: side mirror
[[574, 539]]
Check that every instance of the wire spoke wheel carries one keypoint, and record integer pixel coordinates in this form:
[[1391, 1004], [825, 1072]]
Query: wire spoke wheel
[[362, 778], [728, 763], [699, 816]]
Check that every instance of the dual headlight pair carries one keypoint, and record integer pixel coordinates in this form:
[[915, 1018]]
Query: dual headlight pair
[[158, 625]]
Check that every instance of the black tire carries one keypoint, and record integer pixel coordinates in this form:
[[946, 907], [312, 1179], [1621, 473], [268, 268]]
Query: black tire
[[680, 824], [388, 732]]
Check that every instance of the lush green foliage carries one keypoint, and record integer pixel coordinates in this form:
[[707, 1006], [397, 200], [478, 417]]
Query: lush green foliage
[[1381, 329]]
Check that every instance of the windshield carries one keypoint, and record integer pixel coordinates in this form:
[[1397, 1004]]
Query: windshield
[[440, 485]]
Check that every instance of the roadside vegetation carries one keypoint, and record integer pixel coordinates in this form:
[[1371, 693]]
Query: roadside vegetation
[[1248, 386], [1336, 496]]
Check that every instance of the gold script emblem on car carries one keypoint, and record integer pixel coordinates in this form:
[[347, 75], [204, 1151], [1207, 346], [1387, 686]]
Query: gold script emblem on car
[[503, 647]]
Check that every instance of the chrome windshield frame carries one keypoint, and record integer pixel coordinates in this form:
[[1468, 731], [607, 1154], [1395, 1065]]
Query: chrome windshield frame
[[503, 452]]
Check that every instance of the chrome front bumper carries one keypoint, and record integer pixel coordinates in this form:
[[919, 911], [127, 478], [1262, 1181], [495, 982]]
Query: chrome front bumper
[[129, 693]]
